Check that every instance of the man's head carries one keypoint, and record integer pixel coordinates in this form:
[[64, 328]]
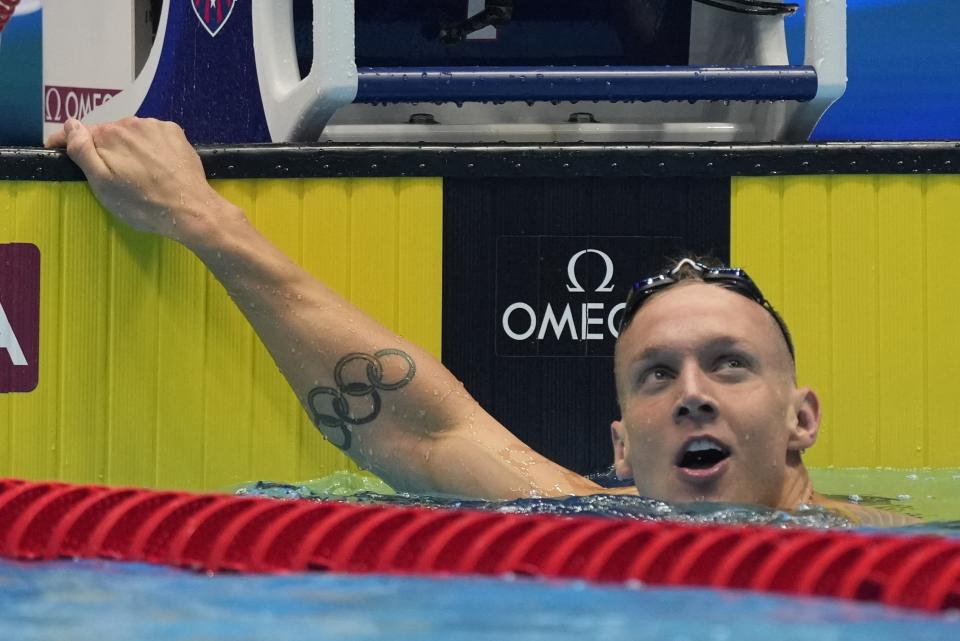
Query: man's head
[[708, 399]]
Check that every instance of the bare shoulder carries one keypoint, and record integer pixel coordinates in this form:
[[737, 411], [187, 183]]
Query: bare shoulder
[[863, 515], [630, 490]]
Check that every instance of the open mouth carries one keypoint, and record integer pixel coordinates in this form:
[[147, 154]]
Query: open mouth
[[702, 454]]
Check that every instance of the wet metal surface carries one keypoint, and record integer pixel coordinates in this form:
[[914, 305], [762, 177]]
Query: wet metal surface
[[511, 160]]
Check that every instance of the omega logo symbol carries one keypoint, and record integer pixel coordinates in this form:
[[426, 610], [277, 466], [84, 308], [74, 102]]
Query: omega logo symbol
[[574, 286], [520, 321]]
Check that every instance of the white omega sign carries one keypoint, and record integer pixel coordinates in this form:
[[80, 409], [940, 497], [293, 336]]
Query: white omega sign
[[591, 322]]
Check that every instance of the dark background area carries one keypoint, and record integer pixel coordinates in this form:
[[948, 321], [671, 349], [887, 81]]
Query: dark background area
[[559, 398]]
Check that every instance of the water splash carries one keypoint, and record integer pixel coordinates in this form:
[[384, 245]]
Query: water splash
[[836, 484], [599, 505]]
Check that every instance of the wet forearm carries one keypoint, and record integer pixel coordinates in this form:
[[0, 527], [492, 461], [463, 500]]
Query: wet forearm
[[370, 392]]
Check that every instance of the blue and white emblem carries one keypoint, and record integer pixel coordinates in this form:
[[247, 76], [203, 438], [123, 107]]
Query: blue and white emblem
[[213, 14]]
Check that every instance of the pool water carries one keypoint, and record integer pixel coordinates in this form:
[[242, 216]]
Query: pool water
[[107, 601], [932, 495]]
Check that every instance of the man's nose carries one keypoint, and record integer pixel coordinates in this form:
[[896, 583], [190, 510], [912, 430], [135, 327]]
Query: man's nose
[[694, 401]]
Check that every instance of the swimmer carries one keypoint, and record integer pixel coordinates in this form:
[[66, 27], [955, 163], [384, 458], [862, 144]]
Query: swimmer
[[704, 368]]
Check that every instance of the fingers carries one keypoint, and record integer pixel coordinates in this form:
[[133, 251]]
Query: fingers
[[57, 139], [81, 149]]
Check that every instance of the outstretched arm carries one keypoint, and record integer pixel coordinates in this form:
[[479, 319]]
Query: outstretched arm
[[387, 403]]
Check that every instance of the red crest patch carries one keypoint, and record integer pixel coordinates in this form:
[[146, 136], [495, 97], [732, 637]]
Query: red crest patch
[[213, 14]]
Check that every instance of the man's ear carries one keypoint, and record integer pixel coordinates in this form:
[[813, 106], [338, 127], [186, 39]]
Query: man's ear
[[621, 451], [806, 424]]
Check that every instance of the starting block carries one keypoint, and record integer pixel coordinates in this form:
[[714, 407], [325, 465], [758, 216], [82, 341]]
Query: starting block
[[239, 71]]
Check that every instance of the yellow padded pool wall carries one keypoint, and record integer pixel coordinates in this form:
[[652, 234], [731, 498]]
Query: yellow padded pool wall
[[864, 270], [149, 375]]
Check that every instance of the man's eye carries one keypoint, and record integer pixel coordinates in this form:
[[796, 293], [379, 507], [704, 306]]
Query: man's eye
[[732, 362], [655, 374]]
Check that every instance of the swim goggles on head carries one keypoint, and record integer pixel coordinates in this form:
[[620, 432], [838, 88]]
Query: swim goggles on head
[[736, 280]]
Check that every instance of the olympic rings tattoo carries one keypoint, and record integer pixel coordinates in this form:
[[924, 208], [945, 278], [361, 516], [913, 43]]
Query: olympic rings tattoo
[[342, 416]]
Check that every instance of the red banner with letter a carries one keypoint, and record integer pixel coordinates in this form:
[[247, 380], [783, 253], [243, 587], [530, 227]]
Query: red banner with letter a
[[19, 317]]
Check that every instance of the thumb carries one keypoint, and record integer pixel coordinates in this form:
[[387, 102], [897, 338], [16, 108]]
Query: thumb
[[82, 150]]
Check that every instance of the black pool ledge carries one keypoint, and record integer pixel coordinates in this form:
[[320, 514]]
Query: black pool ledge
[[543, 160]]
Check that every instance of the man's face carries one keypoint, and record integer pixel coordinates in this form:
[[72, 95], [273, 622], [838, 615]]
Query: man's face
[[708, 402]]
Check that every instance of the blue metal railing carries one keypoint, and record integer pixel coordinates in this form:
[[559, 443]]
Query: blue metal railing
[[479, 84]]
